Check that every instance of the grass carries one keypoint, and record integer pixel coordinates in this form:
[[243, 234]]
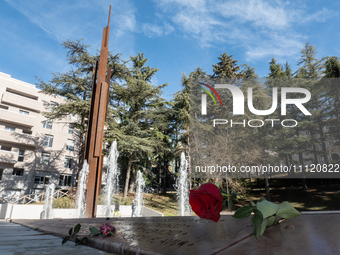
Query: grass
[[320, 195], [166, 204]]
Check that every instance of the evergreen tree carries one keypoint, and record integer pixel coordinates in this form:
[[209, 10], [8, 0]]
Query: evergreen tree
[[332, 87], [136, 104], [227, 67], [310, 65], [76, 86]]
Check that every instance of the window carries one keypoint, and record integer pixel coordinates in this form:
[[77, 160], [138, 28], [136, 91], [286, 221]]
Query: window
[[18, 171], [21, 155], [24, 112], [65, 180], [5, 148], [9, 128], [52, 105], [48, 140], [47, 124], [27, 131], [68, 162], [1, 172], [41, 179], [70, 128], [70, 145], [45, 158]]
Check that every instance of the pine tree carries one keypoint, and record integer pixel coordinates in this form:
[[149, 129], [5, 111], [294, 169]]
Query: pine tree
[[182, 107], [227, 67], [310, 65], [136, 105], [76, 85], [332, 87]]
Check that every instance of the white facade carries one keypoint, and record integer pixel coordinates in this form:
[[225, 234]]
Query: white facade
[[33, 151]]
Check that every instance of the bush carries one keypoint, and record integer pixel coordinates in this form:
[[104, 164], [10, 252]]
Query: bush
[[64, 202]]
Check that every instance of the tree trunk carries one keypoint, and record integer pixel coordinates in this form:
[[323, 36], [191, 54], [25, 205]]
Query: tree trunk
[[127, 178], [132, 179], [159, 176], [165, 177], [267, 187], [189, 163], [303, 180]]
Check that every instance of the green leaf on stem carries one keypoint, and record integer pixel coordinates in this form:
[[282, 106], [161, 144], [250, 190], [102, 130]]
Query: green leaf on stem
[[77, 228], [243, 212], [70, 231], [224, 204], [77, 241], [234, 195], [84, 240], [286, 211], [263, 226], [267, 208], [257, 220], [225, 196], [66, 238], [253, 204], [94, 231], [271, 221]]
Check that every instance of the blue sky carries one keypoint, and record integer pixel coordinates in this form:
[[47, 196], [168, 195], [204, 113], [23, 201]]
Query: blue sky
[[176, 35]]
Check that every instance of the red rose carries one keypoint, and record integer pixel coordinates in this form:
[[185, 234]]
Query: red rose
[[207, 201]]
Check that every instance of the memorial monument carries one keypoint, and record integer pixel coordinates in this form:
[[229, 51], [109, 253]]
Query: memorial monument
[[96, 121]]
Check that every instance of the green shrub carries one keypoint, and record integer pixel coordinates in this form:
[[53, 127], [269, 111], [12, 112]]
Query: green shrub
[[64, 202]]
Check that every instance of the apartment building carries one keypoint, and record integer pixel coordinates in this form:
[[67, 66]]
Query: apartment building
[[33, 151]]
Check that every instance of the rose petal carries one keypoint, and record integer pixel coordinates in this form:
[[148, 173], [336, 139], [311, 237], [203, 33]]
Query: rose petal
[[212, 190]]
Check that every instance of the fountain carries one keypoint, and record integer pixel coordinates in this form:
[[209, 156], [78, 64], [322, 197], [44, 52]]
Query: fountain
[[140, 184], [112, 177], [182, 187], [81, 202], [48, 203]]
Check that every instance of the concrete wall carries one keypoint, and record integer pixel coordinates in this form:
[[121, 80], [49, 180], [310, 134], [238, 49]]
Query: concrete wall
[[15, 211], [26, 211]]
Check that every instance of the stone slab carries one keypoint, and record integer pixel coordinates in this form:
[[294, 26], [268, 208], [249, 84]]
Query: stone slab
[[155, 235], [317, 234], [19, 240], [307, 234]]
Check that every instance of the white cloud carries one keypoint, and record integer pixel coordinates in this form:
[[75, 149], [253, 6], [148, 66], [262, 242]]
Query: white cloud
[[261, 27], [154, 30], [64, 20], [272, 15], [320, 16]]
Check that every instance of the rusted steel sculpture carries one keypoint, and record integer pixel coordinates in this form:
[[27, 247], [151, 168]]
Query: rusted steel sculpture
[[95, 130]]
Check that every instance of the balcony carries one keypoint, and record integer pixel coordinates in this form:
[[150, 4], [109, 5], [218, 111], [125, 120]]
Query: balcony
[[17, 118], [8, 157], [16, 138], [21, 101]]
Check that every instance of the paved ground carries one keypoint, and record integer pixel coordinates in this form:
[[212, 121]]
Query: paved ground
[[16, 239], [309, 234]]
